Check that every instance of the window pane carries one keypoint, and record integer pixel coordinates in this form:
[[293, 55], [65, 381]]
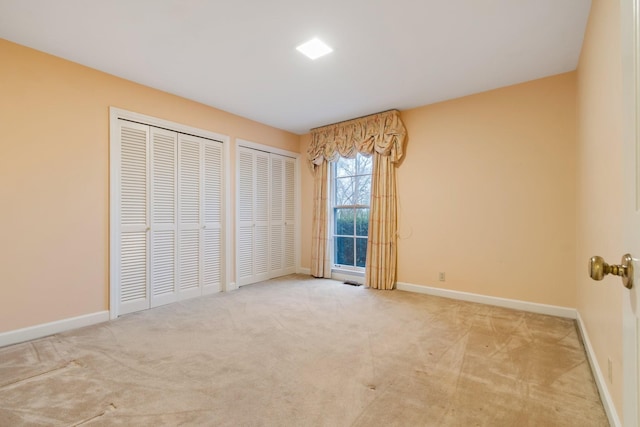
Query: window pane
[[364, 165], [344, 251], [345, 167], [345, 188], [364, 190], [344, 221], [362, 222], [351, 186], [361, 252]]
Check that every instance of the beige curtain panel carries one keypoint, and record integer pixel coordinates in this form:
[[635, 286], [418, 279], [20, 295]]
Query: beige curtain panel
[[319, 249], [382, 136]]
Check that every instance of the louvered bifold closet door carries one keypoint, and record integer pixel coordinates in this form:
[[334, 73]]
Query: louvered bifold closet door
[[189, 208], [289, 216], [133, 236], [253, 242], [261, 203], [277, 216], [244, 216], [212, 185], [163, 217]]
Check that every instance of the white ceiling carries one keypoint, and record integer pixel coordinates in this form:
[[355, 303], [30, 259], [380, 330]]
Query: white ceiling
[[240, 56]]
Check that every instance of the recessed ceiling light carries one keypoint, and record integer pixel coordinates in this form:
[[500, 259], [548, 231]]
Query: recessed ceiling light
[[314, 48]]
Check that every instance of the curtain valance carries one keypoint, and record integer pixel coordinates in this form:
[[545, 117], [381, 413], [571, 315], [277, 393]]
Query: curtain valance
[[382, 133]]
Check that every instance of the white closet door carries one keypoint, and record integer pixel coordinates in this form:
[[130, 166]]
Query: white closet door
[[277, 216], [245, 216], [167, 198], [253, 242], [261, 233], [133, 239], [189, 216], [212, 251], [289, 266], [283, 215], [163, 217]]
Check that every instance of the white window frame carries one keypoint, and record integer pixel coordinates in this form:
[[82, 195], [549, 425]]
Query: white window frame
[[340, 271]]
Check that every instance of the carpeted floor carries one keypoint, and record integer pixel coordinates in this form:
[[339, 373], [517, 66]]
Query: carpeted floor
[[298, 351]]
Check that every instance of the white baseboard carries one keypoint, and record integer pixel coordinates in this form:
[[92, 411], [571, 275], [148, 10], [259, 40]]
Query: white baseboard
[[306, 271], [232, 286], [46, 329], [533, 307], [605, 396]]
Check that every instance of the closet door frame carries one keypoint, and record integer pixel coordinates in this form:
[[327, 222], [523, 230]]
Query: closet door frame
[[281, 152], [115, 114]]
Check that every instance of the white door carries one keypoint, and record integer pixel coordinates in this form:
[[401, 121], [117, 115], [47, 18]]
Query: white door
[[277, 216], [132, 241], [163, 207], [631, 306], [289, 237], [261, 214], [166, 216], [189, 210], [245, 216], [253, 223], [211, 237], [283, 215], [266, 224]]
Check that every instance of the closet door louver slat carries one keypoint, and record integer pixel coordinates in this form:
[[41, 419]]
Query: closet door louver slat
[[245, 255], [133, 283]]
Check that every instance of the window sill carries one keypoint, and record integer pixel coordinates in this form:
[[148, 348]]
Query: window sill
[[345, 274]]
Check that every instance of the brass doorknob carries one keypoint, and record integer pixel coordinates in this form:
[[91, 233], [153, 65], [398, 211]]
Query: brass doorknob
[[598, 269]]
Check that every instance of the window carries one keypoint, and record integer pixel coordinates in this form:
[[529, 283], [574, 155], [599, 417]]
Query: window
[[351, 189]]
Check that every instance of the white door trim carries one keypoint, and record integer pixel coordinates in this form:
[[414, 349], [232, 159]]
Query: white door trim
[[630, 46], [267, 148], [114, 193]]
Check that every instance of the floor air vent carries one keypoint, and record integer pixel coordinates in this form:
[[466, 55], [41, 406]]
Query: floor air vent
[[352, 283]]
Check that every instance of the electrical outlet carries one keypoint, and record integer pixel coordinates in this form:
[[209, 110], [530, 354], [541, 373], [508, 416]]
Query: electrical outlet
[[441, 276], [609, 370]]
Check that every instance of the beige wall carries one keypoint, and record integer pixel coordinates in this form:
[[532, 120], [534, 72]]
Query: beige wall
[[54, 170], [600, 185], [486, 193]]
